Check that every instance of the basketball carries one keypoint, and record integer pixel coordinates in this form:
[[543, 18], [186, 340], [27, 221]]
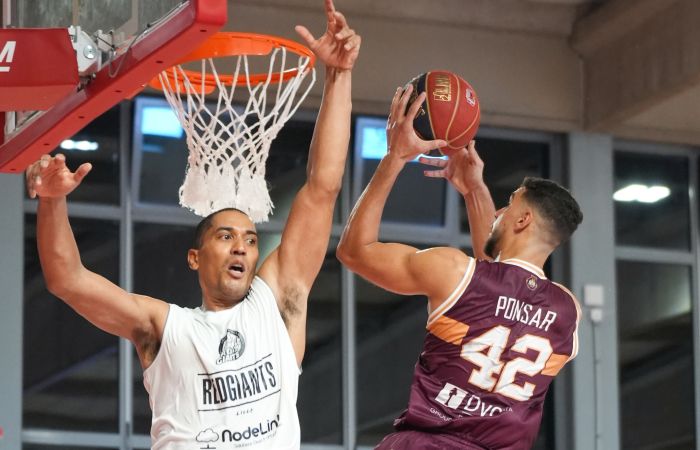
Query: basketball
[[450, 112]]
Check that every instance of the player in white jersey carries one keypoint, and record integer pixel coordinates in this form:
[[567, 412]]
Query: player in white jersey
[[223, 375]]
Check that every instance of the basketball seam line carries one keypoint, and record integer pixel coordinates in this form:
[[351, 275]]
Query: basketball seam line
[[426, 89], [478, 115], [454, 111]]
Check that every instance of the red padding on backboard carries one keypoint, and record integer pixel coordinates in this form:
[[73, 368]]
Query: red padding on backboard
[[156, 50], [37, 68]]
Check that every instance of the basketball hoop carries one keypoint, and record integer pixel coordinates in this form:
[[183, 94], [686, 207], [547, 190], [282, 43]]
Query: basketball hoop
[[229, 144]]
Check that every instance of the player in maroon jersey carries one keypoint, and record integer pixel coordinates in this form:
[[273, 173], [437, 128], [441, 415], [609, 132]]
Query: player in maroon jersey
[[498, 332]]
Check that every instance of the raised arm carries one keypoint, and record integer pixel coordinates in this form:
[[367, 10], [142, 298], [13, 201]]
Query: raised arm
[[464, 170], [107, 306], [291, 269], [397, 267]]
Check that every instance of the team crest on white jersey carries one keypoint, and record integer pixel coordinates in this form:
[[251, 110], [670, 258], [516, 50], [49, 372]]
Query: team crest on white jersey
[[231, 347]]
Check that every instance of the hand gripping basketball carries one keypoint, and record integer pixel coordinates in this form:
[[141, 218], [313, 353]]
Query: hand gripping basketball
[[463, 169], [451, 110], [51, 178], [401, 137]]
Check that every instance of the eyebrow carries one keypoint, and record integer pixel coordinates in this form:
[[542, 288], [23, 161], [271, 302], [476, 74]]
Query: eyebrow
[[246, 232]]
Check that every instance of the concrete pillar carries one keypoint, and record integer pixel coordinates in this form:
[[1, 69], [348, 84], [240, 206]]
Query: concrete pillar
[[11, 320], [594, 374]]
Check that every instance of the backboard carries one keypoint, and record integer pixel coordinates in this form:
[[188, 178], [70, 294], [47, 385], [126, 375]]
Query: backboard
[[127, 42]]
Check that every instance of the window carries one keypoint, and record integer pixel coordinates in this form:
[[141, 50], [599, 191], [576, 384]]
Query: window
[[655, 273], [70, 366], [506, 163], [656, 355], [415, 199], [651, 201]]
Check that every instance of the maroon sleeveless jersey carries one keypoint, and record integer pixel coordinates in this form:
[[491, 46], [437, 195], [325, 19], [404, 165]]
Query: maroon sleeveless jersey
[[492, 349]]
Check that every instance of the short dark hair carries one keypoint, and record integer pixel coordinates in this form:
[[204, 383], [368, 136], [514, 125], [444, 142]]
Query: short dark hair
[[556, 205], [205, 224]]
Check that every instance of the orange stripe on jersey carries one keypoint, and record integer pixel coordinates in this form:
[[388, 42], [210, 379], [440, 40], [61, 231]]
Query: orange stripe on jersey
[[554, 364], [449, 330], [456, 294]]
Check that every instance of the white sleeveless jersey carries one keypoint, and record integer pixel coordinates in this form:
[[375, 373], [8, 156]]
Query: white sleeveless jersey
[[225, 379]]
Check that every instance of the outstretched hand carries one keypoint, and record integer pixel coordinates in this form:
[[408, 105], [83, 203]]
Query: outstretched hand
[[339, 46], [50, 177], [401, 138], [464, 169]]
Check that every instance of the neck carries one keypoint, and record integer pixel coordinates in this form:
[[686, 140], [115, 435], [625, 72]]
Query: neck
[[534, 254], [220, 304]]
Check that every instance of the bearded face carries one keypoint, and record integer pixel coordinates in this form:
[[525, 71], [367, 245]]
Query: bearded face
[[492, 246]]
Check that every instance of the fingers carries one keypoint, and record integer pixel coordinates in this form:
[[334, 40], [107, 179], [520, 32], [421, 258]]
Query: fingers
[[391, 120], [305, 35], [80, 173], [415, 106], [435, 173], [399, 106], [31, 179], [471, 152], [435, 162], [430, 145], [33, 174], [339, 21], [351, 39], [353, 44], [330, 11], [344, 33], [59, 161]]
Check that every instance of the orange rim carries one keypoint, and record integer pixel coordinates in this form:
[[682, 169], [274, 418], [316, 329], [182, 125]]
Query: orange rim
[[226, 44]]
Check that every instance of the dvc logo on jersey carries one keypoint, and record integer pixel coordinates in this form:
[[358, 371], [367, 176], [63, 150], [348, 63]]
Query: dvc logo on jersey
[[231, 347]]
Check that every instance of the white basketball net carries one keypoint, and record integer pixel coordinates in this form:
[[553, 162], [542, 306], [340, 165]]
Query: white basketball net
[[228, 145]]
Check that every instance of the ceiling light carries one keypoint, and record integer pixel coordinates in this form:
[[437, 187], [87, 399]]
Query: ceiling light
[[641, 193], [83, 146]]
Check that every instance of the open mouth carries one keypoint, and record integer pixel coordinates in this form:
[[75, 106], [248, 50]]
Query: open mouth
[[236, 268]]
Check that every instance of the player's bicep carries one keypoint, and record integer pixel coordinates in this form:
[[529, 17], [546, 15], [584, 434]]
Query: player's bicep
[[406, 270], [304, 243], [112, 309], [387, 265]]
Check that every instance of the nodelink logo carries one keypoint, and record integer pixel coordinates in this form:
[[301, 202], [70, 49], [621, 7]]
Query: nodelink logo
[[257, 433], [231, 347]]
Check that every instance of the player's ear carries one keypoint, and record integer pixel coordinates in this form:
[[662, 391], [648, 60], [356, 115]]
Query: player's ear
[[193, 258], [524, 220]]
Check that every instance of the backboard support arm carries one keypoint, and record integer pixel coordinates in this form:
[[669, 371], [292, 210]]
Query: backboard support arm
[[157, 49]]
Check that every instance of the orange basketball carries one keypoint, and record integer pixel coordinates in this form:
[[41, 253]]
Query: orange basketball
[[451, 109]]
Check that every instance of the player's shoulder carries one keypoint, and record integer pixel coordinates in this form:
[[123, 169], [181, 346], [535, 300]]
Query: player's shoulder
[[452, 253], [569, 296], [447, 261]]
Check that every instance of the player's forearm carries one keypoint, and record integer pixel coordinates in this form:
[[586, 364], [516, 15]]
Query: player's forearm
[[480, 212], [329, 146], [58, 252], [362, 228]]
